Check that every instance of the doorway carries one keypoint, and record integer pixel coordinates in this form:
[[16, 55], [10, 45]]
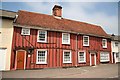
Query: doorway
[[92, 59], [20, 59]]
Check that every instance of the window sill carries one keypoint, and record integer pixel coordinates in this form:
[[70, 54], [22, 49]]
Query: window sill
[[85, 45], [104, 47], [82, 62], [42, 41], [65, 44], [67, 62], [105, 61], [41, 63], [25, 34]]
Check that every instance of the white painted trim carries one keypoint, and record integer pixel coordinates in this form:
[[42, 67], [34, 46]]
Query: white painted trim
[[108, 56], [70, 56], [45, 56], [57, 17], [45, 36], [88, 41], [84, 57], [94, 59], [25, 29], [115, 57], [68, 38], [112, 56], [24, 59], [105, 43]]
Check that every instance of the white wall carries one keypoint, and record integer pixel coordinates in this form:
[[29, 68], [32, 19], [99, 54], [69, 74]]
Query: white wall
[[6, 39], [114, 48]]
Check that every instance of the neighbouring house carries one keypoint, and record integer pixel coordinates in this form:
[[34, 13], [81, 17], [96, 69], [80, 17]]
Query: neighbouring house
[[115, 45], [6, 33], [51, 41]]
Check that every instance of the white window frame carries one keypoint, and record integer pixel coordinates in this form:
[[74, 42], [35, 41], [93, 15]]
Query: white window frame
[[68, 38], [70, 56], [107, 54], [45, 57], [83, 41], [45, 36], [105, 43], [24, 29], [84, 57]]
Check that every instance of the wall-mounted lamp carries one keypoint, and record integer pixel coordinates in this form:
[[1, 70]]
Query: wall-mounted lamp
[[30, 50]]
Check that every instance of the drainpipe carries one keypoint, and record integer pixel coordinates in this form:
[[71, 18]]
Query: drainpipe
[[76, 50]]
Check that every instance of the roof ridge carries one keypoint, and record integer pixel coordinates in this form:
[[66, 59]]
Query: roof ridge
[[34, 12], [83, 22]]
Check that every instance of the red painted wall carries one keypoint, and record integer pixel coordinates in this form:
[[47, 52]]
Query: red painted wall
[[55, 48]]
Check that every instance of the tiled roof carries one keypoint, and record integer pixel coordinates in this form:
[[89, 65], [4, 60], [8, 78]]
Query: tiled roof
[[115, 37], [49, 21], [7, 14]]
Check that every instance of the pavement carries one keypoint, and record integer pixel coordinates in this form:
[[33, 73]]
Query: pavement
[[99, 71]]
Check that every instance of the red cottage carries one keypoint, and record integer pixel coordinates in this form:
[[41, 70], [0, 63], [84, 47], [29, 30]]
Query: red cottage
[[50, 41]]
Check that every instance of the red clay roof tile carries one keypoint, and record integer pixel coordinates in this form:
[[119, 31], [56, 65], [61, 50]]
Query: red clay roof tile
[[48, 21]]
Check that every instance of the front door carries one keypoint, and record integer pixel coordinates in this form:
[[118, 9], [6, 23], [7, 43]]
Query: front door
[[92, 59], [20, 59]]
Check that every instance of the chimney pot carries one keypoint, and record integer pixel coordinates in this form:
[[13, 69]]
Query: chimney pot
[[57, 11]]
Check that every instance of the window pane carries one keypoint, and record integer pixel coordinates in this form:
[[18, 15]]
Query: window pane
[[25, 31], [81, 56], [66, 56], [104, 56], [66, 38], [41, 56], [41, 35], [85, 40], [104, 43]]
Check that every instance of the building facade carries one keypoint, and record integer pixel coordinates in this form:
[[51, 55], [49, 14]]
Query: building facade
[[6, 33], [115, 45], [50, 41]]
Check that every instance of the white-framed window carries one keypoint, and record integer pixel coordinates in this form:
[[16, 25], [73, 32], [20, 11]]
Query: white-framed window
[[67, 56], [65, 38], [104, 43], [25, 31], [85, 40], [42, 36], [81, 56], [116, 44], [41, 57], [104, 57]]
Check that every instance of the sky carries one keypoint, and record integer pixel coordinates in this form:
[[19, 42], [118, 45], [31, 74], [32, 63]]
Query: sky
[[104, 14]]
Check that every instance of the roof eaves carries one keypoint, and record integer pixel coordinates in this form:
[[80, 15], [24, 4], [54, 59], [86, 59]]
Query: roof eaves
[[39, 27]]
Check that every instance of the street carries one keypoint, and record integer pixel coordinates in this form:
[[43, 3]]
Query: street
[[99, 71]]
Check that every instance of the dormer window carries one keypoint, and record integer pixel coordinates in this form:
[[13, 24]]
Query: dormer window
[[25, 31], [85, 40], [104, 43]]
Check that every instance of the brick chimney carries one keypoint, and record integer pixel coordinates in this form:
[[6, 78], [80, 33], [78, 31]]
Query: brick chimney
[[57, 11]]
